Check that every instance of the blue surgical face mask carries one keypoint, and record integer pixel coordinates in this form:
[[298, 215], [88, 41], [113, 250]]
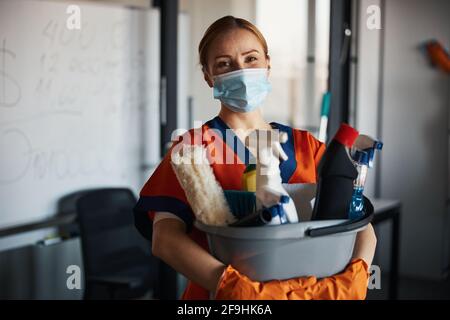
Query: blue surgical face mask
[[242, 90]]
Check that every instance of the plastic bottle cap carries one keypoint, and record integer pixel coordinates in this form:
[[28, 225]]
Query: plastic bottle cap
[[361, 157], [346, 135]]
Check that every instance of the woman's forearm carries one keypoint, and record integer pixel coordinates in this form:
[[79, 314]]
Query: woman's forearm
[[365, 245], [172, 245]]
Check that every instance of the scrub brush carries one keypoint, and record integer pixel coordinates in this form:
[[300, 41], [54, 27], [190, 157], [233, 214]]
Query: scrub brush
[[241, 203], [202, 190]]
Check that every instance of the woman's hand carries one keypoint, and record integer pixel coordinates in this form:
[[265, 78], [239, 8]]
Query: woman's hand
[[171, 244], [366, 242]]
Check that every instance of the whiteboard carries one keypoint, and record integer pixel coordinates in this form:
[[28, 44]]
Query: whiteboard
[[78, 108]]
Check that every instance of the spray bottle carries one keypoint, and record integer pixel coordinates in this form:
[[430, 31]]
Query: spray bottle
[[363, 152], [270, 193], [336, 173]]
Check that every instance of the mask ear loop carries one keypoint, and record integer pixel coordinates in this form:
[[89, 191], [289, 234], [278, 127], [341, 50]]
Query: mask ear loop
[[207, 73]]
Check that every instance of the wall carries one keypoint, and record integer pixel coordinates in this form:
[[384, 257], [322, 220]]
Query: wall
[[413, 118]]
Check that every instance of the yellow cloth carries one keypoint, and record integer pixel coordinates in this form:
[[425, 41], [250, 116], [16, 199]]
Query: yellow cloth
[[249, 181]]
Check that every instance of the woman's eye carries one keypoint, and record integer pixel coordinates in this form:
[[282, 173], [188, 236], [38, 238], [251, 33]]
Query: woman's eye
[[223, 64], [251, 59]]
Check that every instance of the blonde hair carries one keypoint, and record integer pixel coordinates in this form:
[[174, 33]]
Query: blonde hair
[[224, 25]]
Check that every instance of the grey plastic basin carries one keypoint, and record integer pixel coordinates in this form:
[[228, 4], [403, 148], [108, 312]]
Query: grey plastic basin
[[282, 251]]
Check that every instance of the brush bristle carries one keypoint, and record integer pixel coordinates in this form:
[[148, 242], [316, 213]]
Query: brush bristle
[[203, 192]]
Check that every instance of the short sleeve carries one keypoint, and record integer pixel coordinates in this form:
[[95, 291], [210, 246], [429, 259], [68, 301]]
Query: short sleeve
[[161, 215], [162, 192], [319, 149], [308, 154]]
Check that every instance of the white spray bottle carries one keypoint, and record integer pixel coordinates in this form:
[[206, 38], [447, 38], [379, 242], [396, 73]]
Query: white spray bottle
[[269, 188]]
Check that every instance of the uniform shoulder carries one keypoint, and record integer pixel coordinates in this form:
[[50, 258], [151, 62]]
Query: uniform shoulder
[[190, 137], [300, 133], [307, 134], [303, 136]]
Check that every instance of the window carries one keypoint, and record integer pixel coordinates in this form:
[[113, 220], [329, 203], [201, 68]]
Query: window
[[297, 32]]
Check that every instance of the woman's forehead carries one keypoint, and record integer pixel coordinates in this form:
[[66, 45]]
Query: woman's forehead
[[235, 41]]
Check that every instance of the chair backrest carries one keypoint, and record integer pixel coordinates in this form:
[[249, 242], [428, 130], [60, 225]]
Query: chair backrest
[[109, 238]]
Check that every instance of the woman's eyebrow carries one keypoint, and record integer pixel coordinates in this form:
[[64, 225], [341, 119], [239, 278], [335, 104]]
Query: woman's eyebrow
[[222, 56], [244, 53], [250, 51]]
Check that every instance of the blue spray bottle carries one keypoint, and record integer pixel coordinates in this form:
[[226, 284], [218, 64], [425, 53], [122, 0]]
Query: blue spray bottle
[[363, 155]]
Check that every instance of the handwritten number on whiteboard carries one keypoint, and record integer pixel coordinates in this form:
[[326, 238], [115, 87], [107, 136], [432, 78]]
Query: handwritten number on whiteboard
[[10, 92]]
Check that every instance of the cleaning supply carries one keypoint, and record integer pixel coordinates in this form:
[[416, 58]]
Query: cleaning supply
[[249, 178], [243, 207], [303, 195], [241, 203], [324, 112], [362, 166], [203, 192], [269, 188], [309, 248], [258, 218], [278, 210], [363, 152], [336, 174]]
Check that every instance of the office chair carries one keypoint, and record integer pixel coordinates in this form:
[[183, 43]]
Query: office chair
[[118, 263]]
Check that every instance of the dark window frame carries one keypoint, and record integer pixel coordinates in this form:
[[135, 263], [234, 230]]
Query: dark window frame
[[167, 283], [339, 65]]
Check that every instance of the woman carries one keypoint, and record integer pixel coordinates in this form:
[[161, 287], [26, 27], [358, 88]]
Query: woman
[[234, 54]]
